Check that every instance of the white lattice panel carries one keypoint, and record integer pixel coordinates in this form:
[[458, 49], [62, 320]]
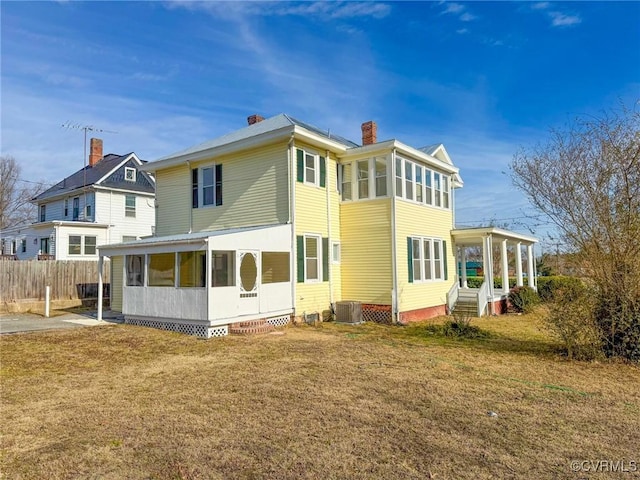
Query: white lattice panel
[[280, 321], [201, 331]]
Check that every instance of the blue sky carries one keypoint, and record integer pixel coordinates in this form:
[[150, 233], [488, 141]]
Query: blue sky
[[484, 78]]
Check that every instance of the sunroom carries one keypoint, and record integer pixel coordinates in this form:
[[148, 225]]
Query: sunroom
[[200, 283], [506, 259]]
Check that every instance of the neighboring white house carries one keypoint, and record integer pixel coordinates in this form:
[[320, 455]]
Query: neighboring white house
[[108, 201]]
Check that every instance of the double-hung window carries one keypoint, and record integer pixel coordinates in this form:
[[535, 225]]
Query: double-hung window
[[345, 180], [363, 179], [381, 177], [437, 189], [311, 168], [43, 213], [408, 176], [445, 191], [130, 206], [427, 259], [428, 182], [75, 245], [419, 183], [206, 186], [311, 258], [399, 182]]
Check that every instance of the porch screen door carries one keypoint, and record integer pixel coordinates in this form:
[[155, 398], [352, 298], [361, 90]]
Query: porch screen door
[[248, 271]]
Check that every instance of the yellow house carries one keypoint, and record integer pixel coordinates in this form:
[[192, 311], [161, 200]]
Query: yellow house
[[281, 220]]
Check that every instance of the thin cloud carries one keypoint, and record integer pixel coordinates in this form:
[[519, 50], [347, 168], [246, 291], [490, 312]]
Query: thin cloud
[[467, 17], [457, 9], [321, 10], [540, 6], [462, 31], [559, 19], [453, 7]]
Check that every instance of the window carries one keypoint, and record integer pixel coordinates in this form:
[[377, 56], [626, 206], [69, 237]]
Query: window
[[76, 208], [345, 178], [363, 179], [427, 259], [311, 168], [223, 268], [24, 245], [419, 183], [381, 177], [135, 270], [437, 188], [88, 212], [428, 187], [162, 269], [311, 258], [206, 186], [130, 206], [128, 238], [445, 191], [89, 245], [335, 252], [43, 213], [44, 245], [130, 174], [193, 266], [75, 245], [66, 207], [408, 176], [399, 182], [275, 267]]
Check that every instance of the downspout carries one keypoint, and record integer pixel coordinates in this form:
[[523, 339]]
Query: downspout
[[191, 207], [394, 261], [329, 253], [453, 205], [57, 237], [292, 217]]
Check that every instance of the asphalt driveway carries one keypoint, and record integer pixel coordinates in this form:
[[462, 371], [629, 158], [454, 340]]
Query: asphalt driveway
[[29, 322]]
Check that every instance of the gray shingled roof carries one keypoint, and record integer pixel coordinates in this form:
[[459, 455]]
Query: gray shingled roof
[[267, 125], [430, 149], [90, 175]]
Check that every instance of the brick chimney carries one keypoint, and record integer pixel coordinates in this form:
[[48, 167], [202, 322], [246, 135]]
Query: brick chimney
[[95, 151], [369, 133], [251, 119]]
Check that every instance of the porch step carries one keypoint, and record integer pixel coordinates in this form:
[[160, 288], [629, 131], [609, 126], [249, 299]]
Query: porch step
[[251, 327], [466, 308]]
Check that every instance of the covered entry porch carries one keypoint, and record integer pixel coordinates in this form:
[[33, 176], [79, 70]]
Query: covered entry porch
[[487, 258]]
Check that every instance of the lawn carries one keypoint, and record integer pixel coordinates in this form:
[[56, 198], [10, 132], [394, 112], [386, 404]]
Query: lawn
[[124, 402]]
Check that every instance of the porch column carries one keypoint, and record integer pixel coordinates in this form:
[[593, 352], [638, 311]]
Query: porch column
[[487, 262], [519, 264], [505, 266], [530, 273], [100, 270], [463, 266]]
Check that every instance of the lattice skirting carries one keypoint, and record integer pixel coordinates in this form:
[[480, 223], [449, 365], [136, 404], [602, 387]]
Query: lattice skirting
[[202, 331], [377, 313], [280, 321]]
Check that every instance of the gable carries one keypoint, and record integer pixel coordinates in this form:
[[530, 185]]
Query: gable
[[116, 179]]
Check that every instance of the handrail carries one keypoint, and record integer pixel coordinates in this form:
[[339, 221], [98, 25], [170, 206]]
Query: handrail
[[482, 296], [452, 295]]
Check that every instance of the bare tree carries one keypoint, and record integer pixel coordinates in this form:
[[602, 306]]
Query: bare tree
[[15, 208], [586, 179]]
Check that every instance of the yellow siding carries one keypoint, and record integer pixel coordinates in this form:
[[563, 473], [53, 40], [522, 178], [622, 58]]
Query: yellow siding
[[254, 190], [117, 264], [416, 220], [173, 197], [311, 218], [366, 251]]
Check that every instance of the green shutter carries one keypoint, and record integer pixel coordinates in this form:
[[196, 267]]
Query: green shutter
[[325, 259], [444, 259], [300, 165], [300, 244], [323, 172], [410, 258]]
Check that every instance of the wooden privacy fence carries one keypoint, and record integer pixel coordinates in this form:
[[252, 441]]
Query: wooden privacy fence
[[69, 280]]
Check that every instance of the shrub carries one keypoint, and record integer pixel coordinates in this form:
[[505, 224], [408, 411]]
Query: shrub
[[571, 287], [460, 326], [617, 315], [571, 319], [523, 299]]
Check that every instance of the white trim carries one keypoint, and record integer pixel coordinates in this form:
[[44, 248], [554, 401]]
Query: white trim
[[435, 246], [126, 159], [131, 170], [333, 257]]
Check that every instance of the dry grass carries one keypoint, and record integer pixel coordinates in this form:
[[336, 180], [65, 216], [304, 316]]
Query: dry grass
[[331, 402]]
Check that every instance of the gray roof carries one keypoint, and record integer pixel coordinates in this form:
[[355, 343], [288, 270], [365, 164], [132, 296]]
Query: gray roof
[[430, 149], [268, 125], [91, 175]]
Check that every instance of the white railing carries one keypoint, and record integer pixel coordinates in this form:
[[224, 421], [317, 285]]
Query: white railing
[[452, 295], [482, 297]]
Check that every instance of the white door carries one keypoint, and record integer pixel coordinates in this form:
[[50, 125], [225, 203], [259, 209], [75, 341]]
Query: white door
[[248, 275]]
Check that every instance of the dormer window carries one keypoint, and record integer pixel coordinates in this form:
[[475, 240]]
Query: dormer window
[[130, 174]]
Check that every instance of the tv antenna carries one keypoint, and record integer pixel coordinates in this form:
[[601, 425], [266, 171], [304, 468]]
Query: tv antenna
[[86, 128]]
